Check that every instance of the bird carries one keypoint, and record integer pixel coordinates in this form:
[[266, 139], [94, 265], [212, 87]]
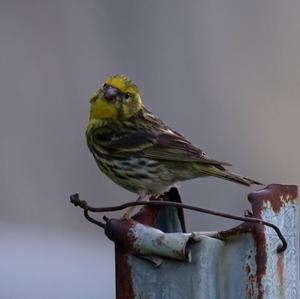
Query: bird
[[137, 150]]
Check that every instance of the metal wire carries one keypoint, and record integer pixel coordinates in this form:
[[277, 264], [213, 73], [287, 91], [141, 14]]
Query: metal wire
[[83, 204]]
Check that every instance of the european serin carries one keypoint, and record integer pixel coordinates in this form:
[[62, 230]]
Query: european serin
[[137, 150]]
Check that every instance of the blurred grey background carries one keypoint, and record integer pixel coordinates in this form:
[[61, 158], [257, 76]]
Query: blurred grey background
[[226, 73]]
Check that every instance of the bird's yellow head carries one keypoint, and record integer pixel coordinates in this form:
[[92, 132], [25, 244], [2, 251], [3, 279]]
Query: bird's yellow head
[[118, 99]]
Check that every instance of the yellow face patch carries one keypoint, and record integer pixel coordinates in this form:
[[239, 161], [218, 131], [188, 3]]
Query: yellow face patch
[[121, 108], [101, 109]]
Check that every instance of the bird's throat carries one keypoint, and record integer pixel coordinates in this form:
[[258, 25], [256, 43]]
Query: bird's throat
[[102, 110]]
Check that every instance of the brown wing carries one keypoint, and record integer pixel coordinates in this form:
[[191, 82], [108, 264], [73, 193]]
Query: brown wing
[[164, 145], [174, 147]]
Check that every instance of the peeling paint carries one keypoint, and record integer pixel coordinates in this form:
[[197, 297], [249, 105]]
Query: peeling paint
[[238, 263]]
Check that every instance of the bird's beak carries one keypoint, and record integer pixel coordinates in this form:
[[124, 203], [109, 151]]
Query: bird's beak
[[110, 93]]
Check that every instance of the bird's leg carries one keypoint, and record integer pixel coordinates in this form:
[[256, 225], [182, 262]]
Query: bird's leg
[[154, 196], [131, 209]]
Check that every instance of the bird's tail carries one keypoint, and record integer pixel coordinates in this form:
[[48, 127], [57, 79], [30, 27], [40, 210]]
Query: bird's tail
[[236, 178], [227, 175]]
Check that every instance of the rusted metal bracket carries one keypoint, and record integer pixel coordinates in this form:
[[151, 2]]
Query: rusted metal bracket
[[238, 263], [113, 227]]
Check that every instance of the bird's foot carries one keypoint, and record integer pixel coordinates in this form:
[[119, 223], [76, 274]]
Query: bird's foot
[[248, 213], [130, 210], [155, 196], [128, 213]]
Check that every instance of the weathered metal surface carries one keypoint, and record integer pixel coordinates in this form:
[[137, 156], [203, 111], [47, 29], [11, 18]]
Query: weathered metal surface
[[237, 263], [152, 216], [139, 239]]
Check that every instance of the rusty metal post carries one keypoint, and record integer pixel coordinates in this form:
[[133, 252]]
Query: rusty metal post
[[156, 260]]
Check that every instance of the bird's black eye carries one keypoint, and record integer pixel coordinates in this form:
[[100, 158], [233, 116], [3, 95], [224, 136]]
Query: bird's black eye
[[127, 95], [105, 86]]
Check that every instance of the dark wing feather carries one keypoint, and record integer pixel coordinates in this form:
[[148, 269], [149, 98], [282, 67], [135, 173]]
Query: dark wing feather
[[150, 138], [132, 142], [164, 146], [174, 147]]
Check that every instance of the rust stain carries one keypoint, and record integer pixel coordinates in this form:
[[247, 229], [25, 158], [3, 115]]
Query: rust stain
[[278, 195], [260, 258], [238, 230], [247, 269], [250, 286], [119, 231], [260, 243], [257, 200], [250, 293], [147, 215], [124, 284], [280, 271]]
